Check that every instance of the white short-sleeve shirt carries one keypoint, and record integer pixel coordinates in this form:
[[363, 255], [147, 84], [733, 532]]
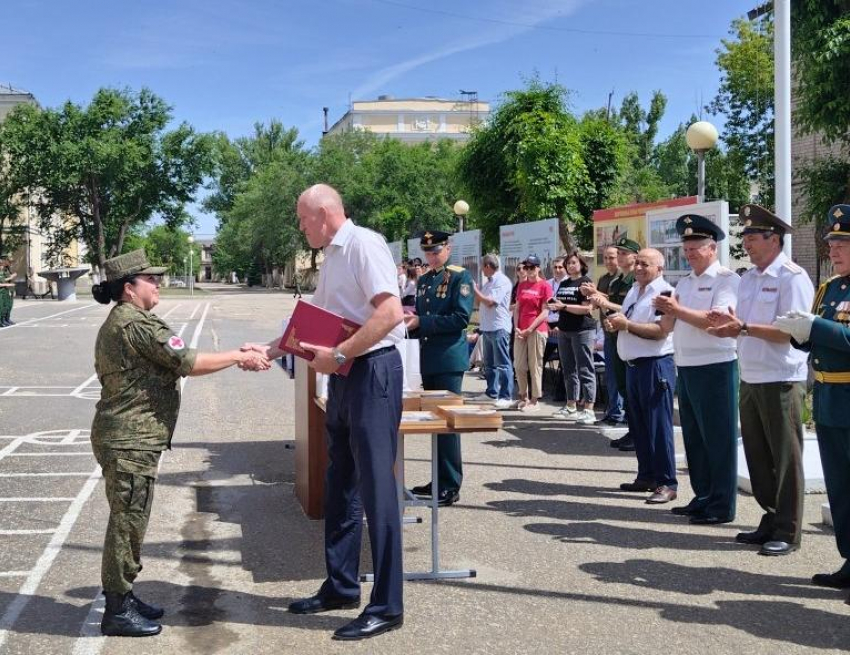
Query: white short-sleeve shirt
[[358, 266], [764, 295], [639, 309], [717, 287]]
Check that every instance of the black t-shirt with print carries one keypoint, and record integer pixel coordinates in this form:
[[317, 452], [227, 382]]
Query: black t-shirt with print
[[570, 294]]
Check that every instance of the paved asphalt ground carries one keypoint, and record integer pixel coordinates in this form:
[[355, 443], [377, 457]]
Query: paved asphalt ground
[[567, 563]]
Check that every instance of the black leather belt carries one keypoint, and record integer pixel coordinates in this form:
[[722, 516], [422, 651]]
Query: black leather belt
[[376, 353], [641, 360]]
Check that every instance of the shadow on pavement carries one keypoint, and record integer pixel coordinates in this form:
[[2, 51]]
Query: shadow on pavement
[[776, 620]]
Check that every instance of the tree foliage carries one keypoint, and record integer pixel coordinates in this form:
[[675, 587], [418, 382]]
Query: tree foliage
[[535, 160], [746, 101], [821, 54], [104, 168]]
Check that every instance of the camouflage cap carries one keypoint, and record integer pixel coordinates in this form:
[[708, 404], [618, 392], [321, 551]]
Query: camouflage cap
[[130, 263]]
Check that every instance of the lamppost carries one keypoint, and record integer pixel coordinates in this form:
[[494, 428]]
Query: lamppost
[[701, 137], [461, 209], [185, 269], [191, 240]]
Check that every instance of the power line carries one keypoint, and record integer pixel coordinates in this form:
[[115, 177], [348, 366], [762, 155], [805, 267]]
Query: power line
[[549, 28]]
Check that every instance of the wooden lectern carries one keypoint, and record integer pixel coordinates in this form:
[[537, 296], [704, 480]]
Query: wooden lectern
[[311, 452]]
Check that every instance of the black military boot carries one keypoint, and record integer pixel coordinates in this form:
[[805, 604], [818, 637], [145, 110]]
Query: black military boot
[[148, 611], [122, 619]]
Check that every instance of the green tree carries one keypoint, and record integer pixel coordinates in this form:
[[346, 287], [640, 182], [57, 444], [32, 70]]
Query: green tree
[[745, 100], [529, 163], [258, 179], [821, 54], [104, 168], [169, 246]]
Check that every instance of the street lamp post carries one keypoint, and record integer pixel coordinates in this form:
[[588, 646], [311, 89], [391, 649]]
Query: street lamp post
[[461, 209], [191, 241], [701, 137]]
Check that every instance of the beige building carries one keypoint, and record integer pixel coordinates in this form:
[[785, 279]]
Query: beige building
[[413, 120], [32, 255]]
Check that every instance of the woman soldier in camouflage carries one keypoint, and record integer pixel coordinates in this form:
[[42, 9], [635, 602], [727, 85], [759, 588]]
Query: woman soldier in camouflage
[[139, 361]]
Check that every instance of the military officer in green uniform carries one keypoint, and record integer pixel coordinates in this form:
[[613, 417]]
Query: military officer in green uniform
[[7, 297], [444, 298], [618, 289], [139, 361], [825, 333]]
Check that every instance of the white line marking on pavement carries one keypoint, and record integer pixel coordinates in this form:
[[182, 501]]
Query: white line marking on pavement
[[76, 474], [36, 499], [77, 390], [195, 338], [10, 449], [10, 391], [14, 574], [14, 532], [91, 642], [44, 318], [30, 585], [73, 454], [170, 311]]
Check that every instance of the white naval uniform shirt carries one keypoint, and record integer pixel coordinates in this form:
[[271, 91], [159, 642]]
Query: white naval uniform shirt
[[764, 295], [640, 310], [358, 266], [716, 287]]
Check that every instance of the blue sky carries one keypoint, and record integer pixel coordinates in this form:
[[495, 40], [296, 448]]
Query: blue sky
[[225, 64]]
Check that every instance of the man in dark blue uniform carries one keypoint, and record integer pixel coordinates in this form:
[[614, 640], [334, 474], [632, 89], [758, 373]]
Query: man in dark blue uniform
[[443, 307], [826, 334]]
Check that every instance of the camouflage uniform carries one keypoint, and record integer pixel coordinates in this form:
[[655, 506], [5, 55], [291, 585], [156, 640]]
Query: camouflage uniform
[[6, 296], [139, 361]]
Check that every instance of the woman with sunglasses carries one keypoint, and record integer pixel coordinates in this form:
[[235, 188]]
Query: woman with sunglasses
[[139, 361], [530, 334]]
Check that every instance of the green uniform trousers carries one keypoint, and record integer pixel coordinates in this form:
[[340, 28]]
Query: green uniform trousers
[[129, 477], [6, 302], [449, 465], [834, 445], [708, 414], [772, 431]]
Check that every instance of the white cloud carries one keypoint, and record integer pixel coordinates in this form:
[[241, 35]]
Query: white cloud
[[515, 18]]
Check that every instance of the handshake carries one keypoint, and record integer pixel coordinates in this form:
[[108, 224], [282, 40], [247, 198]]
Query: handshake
[[253, 357]]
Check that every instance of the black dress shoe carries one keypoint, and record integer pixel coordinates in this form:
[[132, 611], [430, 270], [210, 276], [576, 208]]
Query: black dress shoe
[[702, 519], [754, 538], [627, 446], [606, 421], [447, 497], [686, 510], [316, 604], [615, 443], [638, 485], [369, 625], [837, 580], [777, 548], [423, 490]]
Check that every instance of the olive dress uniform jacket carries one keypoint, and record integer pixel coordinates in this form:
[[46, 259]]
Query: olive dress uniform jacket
[[444, 304]]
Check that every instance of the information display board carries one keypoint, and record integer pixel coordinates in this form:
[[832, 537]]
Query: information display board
[[609, 225], [663, 235], [518, 241], [466, 252]]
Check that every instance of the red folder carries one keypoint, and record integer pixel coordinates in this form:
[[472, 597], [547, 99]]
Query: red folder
[[317, 326]]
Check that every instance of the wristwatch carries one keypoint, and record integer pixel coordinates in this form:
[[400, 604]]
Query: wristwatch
[[338, 356], [744, 331]]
